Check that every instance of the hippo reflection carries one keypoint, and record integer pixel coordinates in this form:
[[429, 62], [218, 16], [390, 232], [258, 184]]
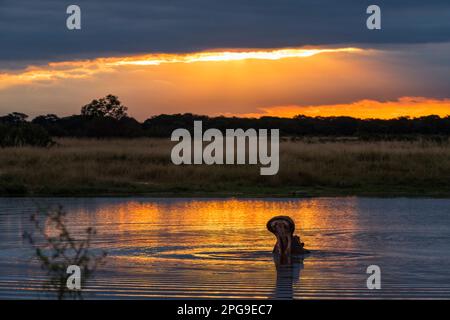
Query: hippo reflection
[[288, 254]]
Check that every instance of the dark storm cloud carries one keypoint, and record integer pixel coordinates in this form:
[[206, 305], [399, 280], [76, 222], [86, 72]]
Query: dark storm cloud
[[33, 30]]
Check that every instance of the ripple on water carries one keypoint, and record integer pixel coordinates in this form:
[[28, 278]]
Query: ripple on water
[[219, 248]]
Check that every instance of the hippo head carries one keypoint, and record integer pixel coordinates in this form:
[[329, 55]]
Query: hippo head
[[283, 228]]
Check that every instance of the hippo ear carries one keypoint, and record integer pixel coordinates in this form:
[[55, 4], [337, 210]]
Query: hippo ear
[[282, 218]]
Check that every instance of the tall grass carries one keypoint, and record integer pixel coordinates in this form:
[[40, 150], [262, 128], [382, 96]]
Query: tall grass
[[143, 166]]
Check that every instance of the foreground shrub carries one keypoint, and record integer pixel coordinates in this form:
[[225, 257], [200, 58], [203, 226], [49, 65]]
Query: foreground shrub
[[24, 134], [56, 249]]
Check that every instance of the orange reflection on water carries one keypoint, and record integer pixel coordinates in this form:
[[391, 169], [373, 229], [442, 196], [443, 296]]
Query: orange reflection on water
[[219, 248], [219, 222], [215, 247]]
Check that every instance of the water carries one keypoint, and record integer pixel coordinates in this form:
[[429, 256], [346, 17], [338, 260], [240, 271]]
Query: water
[[219, 248]]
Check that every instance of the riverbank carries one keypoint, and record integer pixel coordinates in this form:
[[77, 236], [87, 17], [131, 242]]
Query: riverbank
[[142, 167]]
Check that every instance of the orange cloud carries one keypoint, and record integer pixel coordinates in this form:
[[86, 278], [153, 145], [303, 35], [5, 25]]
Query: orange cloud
[[230, 55], [364, 109], [246, 82], [87, 68]]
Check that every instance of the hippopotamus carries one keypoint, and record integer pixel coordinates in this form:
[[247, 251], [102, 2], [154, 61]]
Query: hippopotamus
[[287, 244]]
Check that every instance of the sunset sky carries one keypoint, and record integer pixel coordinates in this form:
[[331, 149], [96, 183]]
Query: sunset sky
[[244, 58]]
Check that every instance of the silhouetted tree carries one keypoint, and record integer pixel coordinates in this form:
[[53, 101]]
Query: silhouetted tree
[[46, 119], [109, 106], [96, 122], [24, 134], [14, 118]]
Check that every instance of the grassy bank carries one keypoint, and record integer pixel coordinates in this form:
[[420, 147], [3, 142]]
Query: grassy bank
[[82, 167]]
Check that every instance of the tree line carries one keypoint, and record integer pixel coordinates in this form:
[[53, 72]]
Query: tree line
[[107, 117]]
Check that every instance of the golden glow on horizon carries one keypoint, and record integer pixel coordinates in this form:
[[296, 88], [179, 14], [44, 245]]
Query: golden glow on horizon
[[364, 109], [248, 82], [86, 68], [217, 56]]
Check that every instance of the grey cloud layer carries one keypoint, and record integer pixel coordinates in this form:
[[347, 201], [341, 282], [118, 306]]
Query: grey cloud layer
[[35, 30]]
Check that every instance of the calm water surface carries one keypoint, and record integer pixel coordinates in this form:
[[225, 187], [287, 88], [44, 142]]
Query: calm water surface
[[219, 248]]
